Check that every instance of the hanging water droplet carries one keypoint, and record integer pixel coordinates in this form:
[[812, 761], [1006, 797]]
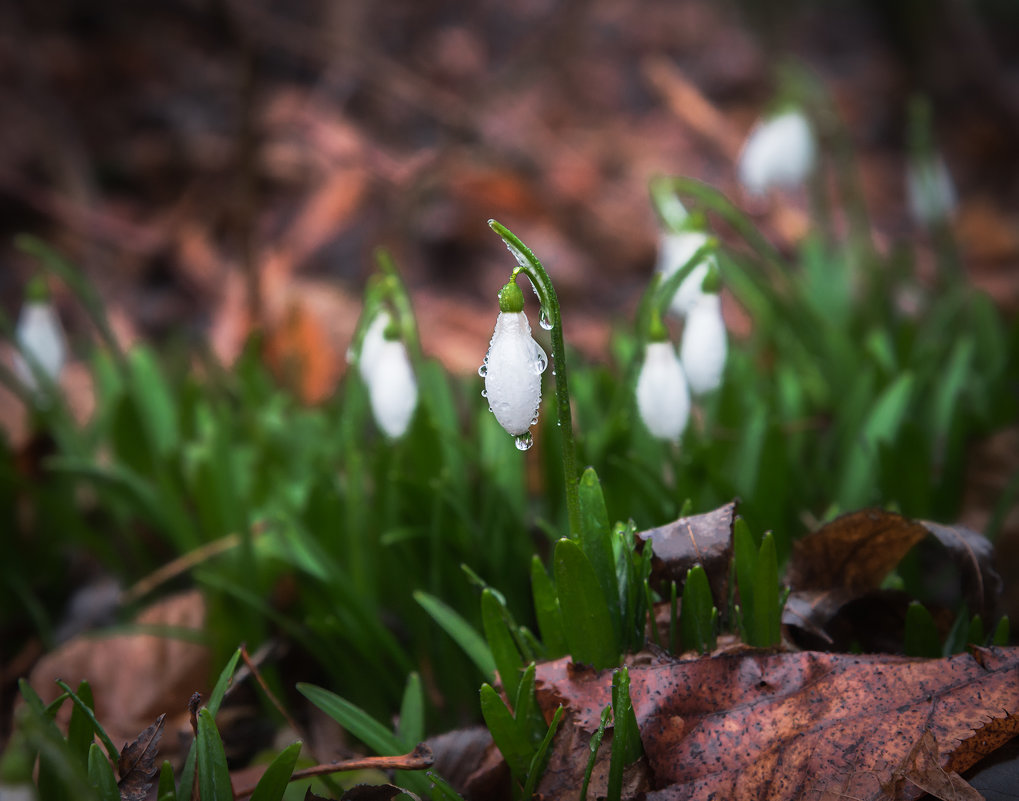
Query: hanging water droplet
[[483, 370], [523, 441], [534, 420], [540, 360], [543, 320], [484, 393]]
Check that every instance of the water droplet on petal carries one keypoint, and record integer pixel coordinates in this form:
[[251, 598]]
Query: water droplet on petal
[[534, 420], [484, 393], [523, 441], [483, 370], [543, 320]]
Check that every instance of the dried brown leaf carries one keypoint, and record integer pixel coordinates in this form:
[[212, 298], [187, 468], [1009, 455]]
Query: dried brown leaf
[[981, 584], [704, 539], [854, 552], [923, 769], [790, 726], [137, 764], [375, 792]]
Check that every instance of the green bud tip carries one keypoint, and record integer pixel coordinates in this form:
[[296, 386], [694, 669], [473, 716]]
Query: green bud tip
[[656, 331], [712, 283], [36, 291], [511, 299]]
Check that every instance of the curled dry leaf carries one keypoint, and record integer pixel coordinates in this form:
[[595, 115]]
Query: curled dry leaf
[[704, 539], [835, 575], [797, 725], [137, 765]]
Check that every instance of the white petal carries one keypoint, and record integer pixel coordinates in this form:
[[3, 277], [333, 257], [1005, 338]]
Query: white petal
[[392, 388], [778, 152], [705, 346], [513, 369], [675, 250], [930, 191], [662, 396], [374, 339], [39, 334]]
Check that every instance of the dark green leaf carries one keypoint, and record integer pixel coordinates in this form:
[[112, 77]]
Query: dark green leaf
[[167, 790], [460, 630], [922, 638], [274, 781], [537, 766], [698, 612], [500, 640], [81, 731], [590, 629], [512, 742], [626, 745], [411, 727], [100, 775], [213, 774], [546, 608]]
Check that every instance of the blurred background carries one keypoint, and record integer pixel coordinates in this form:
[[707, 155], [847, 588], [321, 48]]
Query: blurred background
[[208, 163], [218, 167]]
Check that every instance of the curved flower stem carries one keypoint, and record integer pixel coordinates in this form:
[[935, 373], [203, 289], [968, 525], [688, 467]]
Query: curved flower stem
[[528, 264]]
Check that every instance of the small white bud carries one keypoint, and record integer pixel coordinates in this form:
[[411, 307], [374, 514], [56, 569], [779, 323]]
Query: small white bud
[[374, 339], [705, 346], [930, 190], [675, 250], [778, 152], [40, 336], [663, 399], [512, 371], [392, 388]]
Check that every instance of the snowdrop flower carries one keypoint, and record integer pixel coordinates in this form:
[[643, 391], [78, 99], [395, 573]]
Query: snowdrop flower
[[779, 151], [675, 250], [663, 399], [513, 367], [387, 372], [930, 190], [704, 347], [39, 336]]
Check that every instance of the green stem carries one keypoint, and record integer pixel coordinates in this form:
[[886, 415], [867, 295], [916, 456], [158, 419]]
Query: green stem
[[528, 264]]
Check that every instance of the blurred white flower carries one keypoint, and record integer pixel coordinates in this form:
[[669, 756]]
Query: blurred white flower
[[374, 338], [930, 190], [663, 399], [675, 250], [392, 388], [705, 346], [39, 336], [512, 372], [386, 370], [779, 151]]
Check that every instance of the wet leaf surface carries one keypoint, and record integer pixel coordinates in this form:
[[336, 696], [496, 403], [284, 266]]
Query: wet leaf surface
[[704, 539], [798, 725], [137, 765]]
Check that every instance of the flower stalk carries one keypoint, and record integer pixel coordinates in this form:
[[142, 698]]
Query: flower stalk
[[529, 265]]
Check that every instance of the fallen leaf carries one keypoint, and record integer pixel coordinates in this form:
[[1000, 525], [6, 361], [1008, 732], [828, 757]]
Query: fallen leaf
[[794, 725], [137, 765], [981, 584], [854, 552], [704, 539], [376, 792], [923, 769], [134, 677]]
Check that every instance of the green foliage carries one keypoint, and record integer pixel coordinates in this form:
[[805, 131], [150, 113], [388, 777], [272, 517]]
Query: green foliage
[[699, 619], [759, 613]]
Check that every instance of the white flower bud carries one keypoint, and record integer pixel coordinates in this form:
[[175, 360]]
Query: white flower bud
[[778, 152], [512, 372], [40, 336], [930, 190], [663, 399], [374, 339], [392, 387], [675, 250], [704, 347]]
